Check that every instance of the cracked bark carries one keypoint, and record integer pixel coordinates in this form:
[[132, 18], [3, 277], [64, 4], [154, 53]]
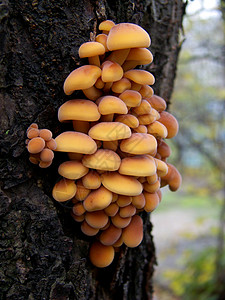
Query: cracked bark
[[42, 251]]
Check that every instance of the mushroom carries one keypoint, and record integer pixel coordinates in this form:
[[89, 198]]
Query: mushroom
[[88, 230], [137, 56], [81, 78], [36, 145], [151, 188], [151, 201], [70, 141], [72, 169], [140, 165], [158, 130], [102, 39], [110, 235], [138, 201], [120, 222], [64, 190], [111, 210], [106, 25], [102, 159], [98, 199], [140, 76], [131, 98], [100, 255], [78, 209], [92, 180], [132, 235], [121, 184], [141, 129], [92, 50], [146, 91], [96, 219], [173, 178], [170, 122], [82, 192], [139, 143], [109, 131], [128, 119], [143, 109], [123, 201], [45, 134], [127, 211], [111, 105], [121, 85], [157, 102]]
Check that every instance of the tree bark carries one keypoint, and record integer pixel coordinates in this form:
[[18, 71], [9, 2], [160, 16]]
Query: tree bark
[[43, 253]]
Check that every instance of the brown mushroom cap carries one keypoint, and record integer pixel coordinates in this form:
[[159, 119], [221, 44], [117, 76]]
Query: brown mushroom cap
[[140, 76], [121, 85], [33, 132], [106, 25], [102, 38], [138, 201], [163, 149], [90, 49], [132, 235], [127, 211], [78, 142], [102, 159], [173, 178], [151, 188], [98, 199], [123, 201], [45, 134], [152, 179], [110, 235], [170, 122], [111, 104], [96, 219], [91, 180], [46, 155], [131, 98], [140, 165], [146, 91], [120, 222], [82, 78], [100, 255], [78, 109], [111, 210], [141, 129], [151, 201], [78, 209], [162, 168], [127, 35], [111, 71], [140, 54], [51, 144], [129, 120], [88, 230], [157, 129], [157, 102], [64, 190], [82, 192], [121, 184], [36, 145], [143, 109], [139, 143], [146, 119], [72, 169], [109, 131]]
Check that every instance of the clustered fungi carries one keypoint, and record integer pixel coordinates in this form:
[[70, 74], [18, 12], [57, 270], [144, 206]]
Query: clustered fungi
[[117, 153], [40, 145]]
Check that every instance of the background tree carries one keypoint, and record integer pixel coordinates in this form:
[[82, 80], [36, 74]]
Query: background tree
[[43, 253]]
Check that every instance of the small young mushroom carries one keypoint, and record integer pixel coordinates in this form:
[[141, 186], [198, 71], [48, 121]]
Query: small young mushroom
[[110, 235], [100, 255], [140, 76], [64, 190], [72, 169], [91, 180], [170, 122], [111, 105], [131, 98], [92, 50], [132, 235], [98, 199]]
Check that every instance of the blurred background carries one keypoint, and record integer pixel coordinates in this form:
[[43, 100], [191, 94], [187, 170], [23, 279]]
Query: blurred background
[[189, 224]]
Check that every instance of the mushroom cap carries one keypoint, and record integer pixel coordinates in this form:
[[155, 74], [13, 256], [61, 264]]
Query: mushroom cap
[[33, 132], [96, 219], [51, 144], [79, 109], [46, 134], [110, 235], [170, 122], [173, 178], [106, 25], [81, 78], [72, 169], [100, 255], [140, 165], [162, 168], [141, 129], [139, 143], [140, 76], [131, 98], [109, 131], [157, 102], [163, 149], [146, 119], [121, 85], [112, 105], [64, 190], [111, 71], [102, 38], [71, 141], [102, 159], [127, 35], [138, 201], [132, 235], [120, 222], [121, 184], [157, 129], [127, 211], [140, 54], [46, 155], [151, 188], [82, 192], [143, 109], [90, 49], [91, 180], [111, 210], [151, 201], [129, 120], [37, 144], [146, 91], [152, 179], [98, 199], [88, 230], [123, 201], [78, 209]]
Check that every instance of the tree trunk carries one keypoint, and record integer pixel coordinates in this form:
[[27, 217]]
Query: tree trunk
[[43, 253]]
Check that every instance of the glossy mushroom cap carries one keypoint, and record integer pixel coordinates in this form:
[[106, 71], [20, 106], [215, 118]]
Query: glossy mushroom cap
[[100, 255], [112, 105], [78, 109], [72, 169], [133, 234], [140, 165], [98, 199], [170, 122], [139, 143], [78, 142], [127, 35], [109, 131], [64, 190]]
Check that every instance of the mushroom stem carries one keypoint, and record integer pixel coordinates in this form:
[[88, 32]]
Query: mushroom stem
[[107, 87], [94, 60], [119, 56], [92, 93]]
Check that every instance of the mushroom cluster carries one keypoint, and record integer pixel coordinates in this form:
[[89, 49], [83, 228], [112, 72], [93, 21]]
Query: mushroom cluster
[[117, 156], [40, 145]]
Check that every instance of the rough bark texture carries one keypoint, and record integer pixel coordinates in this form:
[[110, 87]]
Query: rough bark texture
[[43, 254]]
